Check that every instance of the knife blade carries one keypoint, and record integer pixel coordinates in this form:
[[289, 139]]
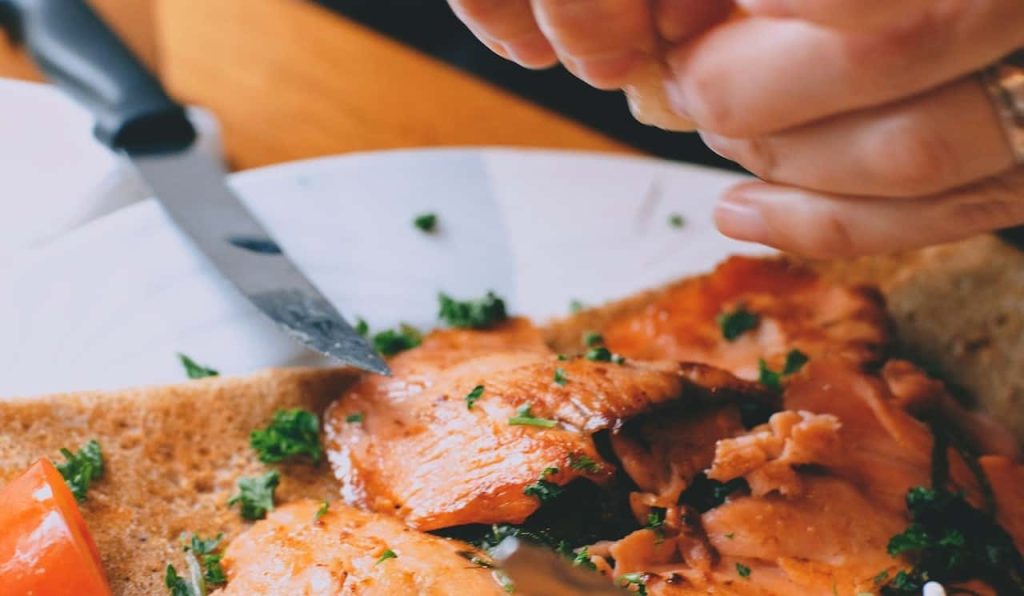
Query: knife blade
[[135, 117], [537, 571]]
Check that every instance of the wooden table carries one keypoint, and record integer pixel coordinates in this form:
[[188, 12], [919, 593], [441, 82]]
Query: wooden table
[[290, 80]]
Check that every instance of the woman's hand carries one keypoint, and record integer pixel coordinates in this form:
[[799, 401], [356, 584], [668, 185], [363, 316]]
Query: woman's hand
[[600, 41], [866, 119]]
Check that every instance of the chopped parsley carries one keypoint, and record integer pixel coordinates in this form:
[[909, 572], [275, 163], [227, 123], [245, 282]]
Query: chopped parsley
[[544, 490], [795, 360], [81, 468], [583, 463], [195, 370], [602, 354], [426, 222], [704, 494], [321, 511], [472, 314], [736, 323], [730, 535], [582, 559], [208, 559], [576, 306], [524, 417], [256, 495], [291, 433], [593, 339], [387, 554], [392, 341], [676, 221], [638, 579], [560, 378], [656, 523], [177, 584], [743, 570], [473, 396], [362, 327], [355, 418]]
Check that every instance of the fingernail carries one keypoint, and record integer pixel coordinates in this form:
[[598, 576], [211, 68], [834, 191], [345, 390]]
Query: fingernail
[[737, 216], [676, 101]]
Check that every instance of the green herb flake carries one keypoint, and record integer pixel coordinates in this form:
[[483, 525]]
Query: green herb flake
[[637, 579], [355, 418], [387, 554], [472, 314], [208, 558], [392, 341], [562, 357], [194, 370], [582, 559], [743, 570], [476, 559], [81, 468], [544, 490], [576, 306], [730, 535], [426, 222], [593, 339], [362, 327], [524, 417], [560, 378], [583, 463], [473, 396], [321, 511], [795, 361], [656, 523], [291, 433], [256, 495], [737, 322], [676, 221], [177, 584]]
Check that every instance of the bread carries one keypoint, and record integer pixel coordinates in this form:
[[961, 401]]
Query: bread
[[958, 310], [172, 456]]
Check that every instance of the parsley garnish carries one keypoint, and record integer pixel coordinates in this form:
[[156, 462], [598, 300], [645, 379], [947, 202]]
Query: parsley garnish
[[795, 360], [362, 327], [560, 378], [736, 323], [473, 396], [472, 314], [387, 554], [593, 339], [576, 306], [392, 341], [195, 370], [544, 490], [80, 469], [704, 494], [355, 418], [676, 221], [602, 354], [208, 559], [638, 579], [656, 523], [290, 433], [426, 222], [177, 584], [321, 511], [524, 417], [583, 463], [743, 570], [256, 495], [582, 559]]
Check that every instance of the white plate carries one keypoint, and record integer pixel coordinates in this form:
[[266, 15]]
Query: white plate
[[109, 304]]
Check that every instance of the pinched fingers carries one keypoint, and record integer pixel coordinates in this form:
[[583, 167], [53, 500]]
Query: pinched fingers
[[508, 28]]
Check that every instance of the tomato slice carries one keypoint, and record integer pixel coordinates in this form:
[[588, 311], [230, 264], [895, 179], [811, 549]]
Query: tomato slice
[[45, 546]]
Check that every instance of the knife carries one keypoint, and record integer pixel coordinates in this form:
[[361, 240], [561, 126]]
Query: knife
[[136, 118], [537, 571]]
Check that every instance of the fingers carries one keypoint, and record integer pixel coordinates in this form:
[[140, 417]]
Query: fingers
[[755, 75], [829, 226], [843, 14], [600, 41], [508, 28], [920, 146], [676, 20]]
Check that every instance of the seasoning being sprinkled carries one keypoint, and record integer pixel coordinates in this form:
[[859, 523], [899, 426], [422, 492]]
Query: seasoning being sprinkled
[[426, 222], [195, 370]]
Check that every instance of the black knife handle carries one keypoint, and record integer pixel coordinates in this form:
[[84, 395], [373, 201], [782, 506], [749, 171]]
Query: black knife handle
[[81, 54]]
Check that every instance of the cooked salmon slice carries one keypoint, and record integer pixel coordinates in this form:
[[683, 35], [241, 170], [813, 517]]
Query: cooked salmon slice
[[410, 445], [346, 551], [792, 308]]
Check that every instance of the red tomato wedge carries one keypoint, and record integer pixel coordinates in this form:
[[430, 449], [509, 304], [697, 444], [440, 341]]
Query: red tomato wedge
[[45, 546]]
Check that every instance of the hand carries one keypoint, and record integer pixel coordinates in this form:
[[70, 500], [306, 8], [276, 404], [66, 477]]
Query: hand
[[600, 41], [865, 118]]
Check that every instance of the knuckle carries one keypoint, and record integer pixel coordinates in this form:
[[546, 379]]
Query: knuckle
[[910, 159]]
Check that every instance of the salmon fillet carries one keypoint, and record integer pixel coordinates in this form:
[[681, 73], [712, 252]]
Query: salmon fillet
[[343, 552], [411, 446], [794, 309]]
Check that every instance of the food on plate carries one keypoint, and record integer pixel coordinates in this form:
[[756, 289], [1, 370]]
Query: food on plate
[[45, 545], [750, 431]]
